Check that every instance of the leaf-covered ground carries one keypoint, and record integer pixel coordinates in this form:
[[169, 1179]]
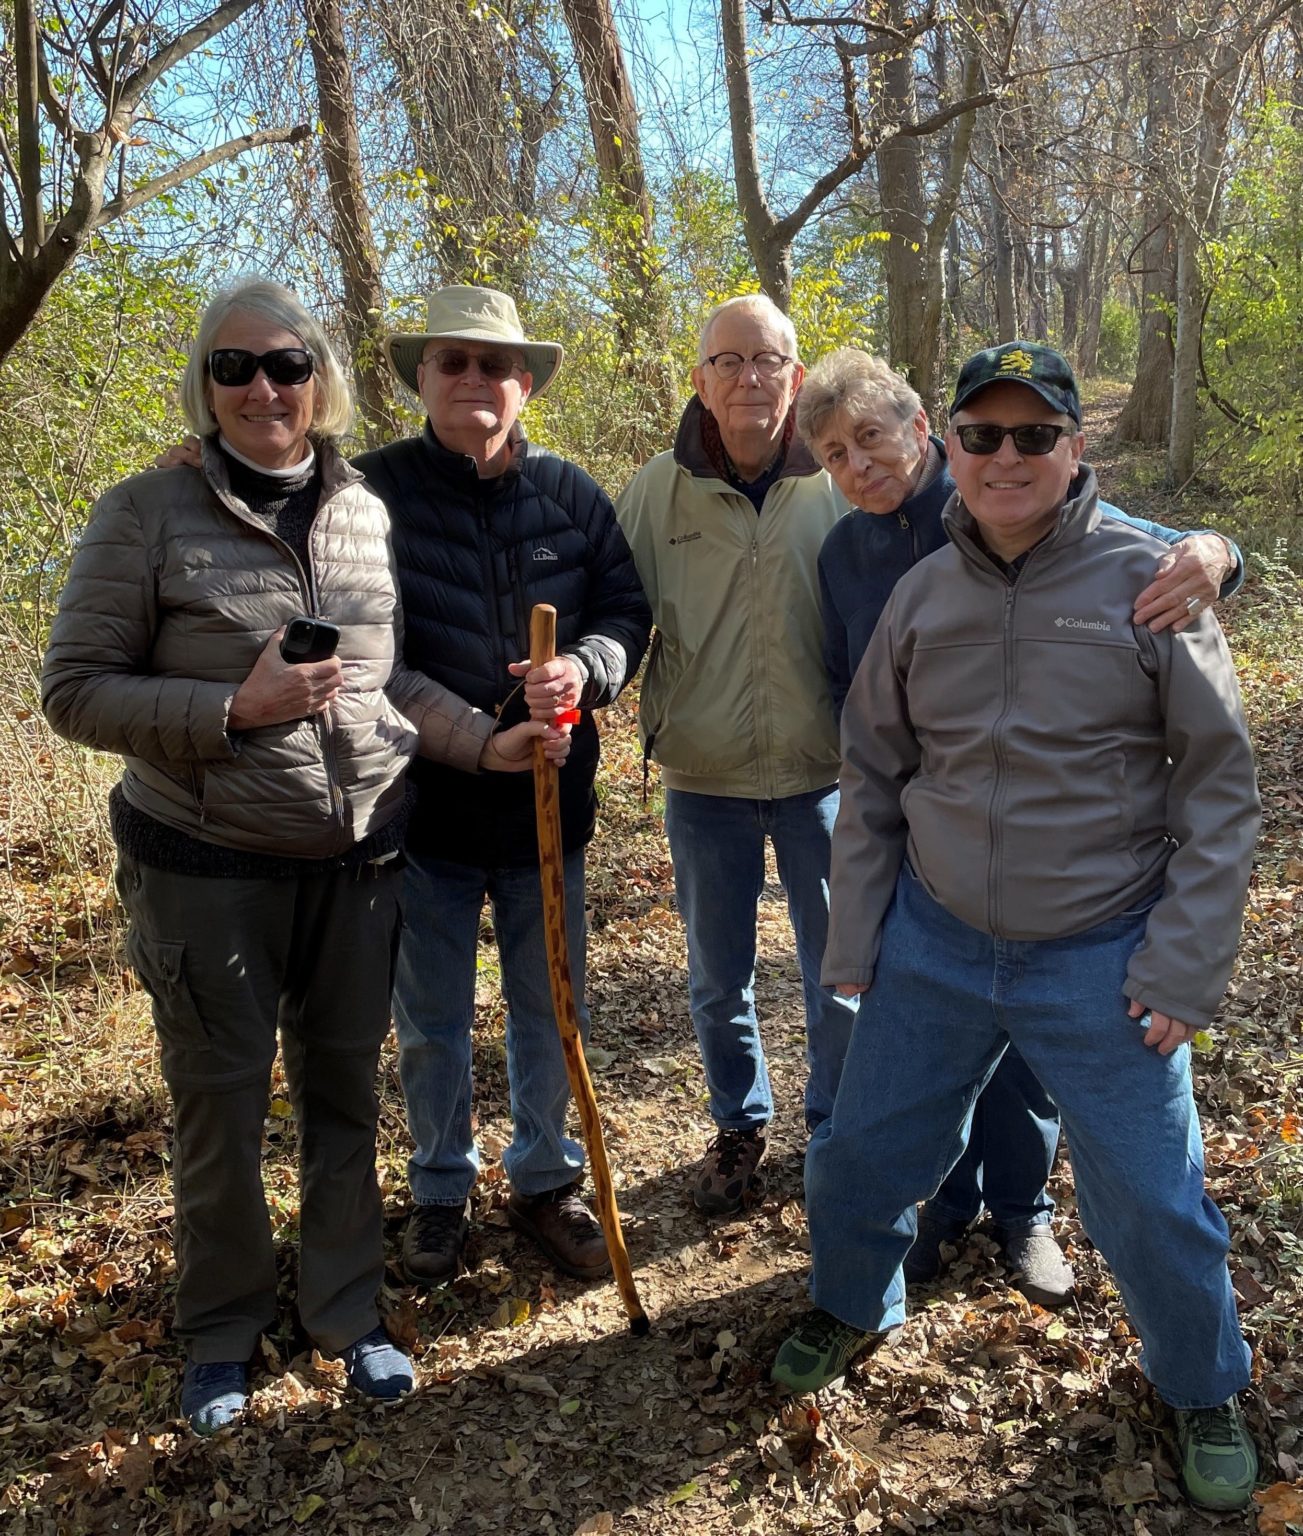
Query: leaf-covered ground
[[536, 1409]]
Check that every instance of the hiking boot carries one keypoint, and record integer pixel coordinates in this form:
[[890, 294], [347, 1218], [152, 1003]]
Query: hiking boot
[[1219, 1463], [564, 1228], [1037, 1265], [213, 1393], [376, 1366], [727, 1179], [923, 1262], [818, 1353], [433, 1243]]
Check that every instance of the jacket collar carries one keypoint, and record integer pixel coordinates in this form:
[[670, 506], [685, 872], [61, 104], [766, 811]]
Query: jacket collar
[[336, 471], [690, 452], [1077, 517], [462, 465]]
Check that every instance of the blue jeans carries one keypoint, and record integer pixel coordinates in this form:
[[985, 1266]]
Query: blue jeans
[[434, 1009], [1009, 1155], [945, 1002], [717, 843]]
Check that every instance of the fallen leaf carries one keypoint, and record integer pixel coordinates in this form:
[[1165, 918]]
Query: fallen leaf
[[520, 1381], [597, 1525], [1129, 1485], [1280, 1506], [308, 1508], [682, 1494], [512, 1313], [282, 1109]]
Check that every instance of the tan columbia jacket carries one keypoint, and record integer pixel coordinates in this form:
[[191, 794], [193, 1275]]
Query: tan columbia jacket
[[1045, 763], [735, 699], [174, 591]]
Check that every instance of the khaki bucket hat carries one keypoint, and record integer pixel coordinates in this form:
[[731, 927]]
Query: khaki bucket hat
[[463, 313]]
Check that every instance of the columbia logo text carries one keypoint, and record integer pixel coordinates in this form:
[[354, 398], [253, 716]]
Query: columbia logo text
[[1083, 624], [686, 538]]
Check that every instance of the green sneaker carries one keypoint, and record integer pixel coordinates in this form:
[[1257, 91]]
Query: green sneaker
[[818, 1352], [1219, 1464]]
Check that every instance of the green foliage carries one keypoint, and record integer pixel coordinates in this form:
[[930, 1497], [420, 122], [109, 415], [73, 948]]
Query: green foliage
[[1119, 338], [87, 398], [1251, 350]]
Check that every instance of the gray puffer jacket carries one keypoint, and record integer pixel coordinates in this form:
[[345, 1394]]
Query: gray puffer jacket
[[174, 591]]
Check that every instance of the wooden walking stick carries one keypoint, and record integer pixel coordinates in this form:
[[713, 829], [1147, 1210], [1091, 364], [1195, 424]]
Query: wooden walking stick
[[547, 807]]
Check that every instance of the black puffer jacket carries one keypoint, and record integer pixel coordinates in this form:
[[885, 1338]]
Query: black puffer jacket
[[474, 556]]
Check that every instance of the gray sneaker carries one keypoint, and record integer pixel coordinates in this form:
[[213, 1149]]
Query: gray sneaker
[[1037, 1265]]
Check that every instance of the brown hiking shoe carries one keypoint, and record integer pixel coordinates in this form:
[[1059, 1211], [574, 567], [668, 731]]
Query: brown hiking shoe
[[564, 1228], [433, 1243], [727, 1179]]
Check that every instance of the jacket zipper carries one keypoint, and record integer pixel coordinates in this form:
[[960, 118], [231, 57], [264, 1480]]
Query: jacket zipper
[[760, 673], [325, 731], [994, 885]]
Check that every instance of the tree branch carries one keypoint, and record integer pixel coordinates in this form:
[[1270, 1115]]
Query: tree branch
[[135, 85], [26, 47], [189, 168]]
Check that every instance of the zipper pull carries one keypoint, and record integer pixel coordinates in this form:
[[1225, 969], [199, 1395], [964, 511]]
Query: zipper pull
[[902, 519]]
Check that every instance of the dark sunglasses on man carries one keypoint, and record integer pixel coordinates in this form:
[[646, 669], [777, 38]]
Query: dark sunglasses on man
[[234, 367], [1033, 439], [495, 366]]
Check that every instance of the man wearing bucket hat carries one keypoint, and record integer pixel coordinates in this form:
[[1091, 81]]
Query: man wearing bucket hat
[[485, 525]]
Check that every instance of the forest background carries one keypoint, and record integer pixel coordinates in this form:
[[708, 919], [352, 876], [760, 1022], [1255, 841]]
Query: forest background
[[1124, 181]]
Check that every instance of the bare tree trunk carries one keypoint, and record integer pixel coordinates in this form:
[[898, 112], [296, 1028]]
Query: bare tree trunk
[[640, 299], [358, 261], [770, 253], [1185, 370], [919, 244], [1147, 415]]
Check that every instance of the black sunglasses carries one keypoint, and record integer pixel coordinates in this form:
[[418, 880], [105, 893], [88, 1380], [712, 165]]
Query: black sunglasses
[[493, 365], [1034, 439], [234, 367]]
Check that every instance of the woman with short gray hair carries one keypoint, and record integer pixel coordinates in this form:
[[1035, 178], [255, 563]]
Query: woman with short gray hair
[[233, 630]]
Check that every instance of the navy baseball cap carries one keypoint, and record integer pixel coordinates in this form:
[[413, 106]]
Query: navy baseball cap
[[1021, 362]]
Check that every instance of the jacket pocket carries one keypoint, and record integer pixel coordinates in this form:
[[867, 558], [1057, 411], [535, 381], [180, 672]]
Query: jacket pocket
[[160, 965]]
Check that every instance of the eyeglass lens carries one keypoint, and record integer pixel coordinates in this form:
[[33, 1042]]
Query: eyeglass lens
[[729, 364], [493, 365], [1033, 438], [234, 367]]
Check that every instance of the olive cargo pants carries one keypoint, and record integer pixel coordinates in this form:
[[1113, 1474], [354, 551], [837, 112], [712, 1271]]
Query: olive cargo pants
[[228, 962]]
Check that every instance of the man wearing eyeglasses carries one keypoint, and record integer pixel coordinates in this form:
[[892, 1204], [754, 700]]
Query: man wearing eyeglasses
[[485, 525], [726, 530], [1045, 840]]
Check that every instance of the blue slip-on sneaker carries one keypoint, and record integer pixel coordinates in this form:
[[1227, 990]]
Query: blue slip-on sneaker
[[376, 1366], [214, 1393]]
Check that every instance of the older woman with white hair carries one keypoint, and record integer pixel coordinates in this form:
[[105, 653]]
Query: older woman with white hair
[[260, 818], [866, 425]]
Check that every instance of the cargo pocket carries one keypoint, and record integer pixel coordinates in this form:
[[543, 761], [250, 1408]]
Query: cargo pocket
[[160, 965]]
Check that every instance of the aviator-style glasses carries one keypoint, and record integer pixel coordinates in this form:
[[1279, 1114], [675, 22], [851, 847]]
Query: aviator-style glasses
[[495, 366], [767, 364], [1032, 439], [234, 367]]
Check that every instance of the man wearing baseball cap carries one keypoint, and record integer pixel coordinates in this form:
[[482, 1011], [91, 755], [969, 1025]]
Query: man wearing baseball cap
[[1045, 838]]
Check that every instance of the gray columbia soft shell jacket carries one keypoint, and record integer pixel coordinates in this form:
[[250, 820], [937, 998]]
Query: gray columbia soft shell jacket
[[1045, 763], [174, 590]]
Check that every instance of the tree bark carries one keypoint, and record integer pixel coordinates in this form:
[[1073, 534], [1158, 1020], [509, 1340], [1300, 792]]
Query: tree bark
[[639, 296], [353, 242]]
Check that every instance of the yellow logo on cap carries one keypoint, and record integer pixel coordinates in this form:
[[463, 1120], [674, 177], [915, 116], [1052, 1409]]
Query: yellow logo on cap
[[1017, 362]]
